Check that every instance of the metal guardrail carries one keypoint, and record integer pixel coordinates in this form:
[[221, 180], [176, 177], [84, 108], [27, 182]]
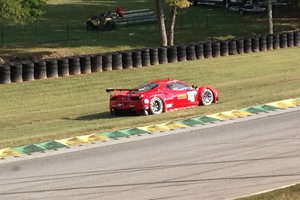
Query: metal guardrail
[[136, 17]]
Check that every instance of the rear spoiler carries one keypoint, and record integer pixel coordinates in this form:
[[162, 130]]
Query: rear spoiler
[[114, 90]]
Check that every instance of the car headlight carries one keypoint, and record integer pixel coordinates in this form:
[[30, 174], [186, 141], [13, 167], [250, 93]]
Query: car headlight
[[146, 101]]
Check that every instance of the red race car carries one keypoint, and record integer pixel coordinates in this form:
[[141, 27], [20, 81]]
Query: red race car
[[160, 96]]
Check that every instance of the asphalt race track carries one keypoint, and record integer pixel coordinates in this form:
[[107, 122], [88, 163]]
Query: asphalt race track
[[221, 160]]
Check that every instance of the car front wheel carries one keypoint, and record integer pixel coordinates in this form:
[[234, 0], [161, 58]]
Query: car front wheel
[[156, 106], [207, 97]]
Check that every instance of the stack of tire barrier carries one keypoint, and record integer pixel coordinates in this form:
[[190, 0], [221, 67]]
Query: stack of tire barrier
[[162, 55], [14, 72], [63, 67], [85, 64]]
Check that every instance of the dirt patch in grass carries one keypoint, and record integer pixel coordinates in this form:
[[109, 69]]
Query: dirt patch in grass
[[28, 52]]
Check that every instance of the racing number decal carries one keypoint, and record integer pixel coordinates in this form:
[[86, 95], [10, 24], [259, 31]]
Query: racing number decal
[[192, 96]]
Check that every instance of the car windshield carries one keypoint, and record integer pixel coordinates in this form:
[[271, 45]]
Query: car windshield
[[147, 86]]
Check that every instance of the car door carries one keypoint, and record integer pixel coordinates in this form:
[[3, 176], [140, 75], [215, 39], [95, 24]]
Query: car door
[[183, 95]]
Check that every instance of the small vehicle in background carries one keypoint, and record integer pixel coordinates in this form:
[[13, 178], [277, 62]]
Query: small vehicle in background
[[160, 96], [250, 8], [101, 21]]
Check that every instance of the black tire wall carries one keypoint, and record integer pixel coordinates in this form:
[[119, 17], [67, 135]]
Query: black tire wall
[[207, 50], [52, 68], [276, 41], [127, 59], [283, 40], [137, 58], [269, 41], [262, 43], [96, 63], [216, 49], [224, 48], [190, 52], [255, 44], [63, 67], [297, 38], [5, 74], [199, 50], [85, 64], [16, 72], [154, 56], [145, 54], [162, 55], [107, 62], [240, 45], [74, 65], [290, 39], [28, 71], [232, 47], [172, 54], [40, 71], [247, 45], [181, 53], [116, 61]]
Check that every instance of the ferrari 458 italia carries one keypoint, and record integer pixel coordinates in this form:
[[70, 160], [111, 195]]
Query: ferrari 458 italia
[[160, 96]]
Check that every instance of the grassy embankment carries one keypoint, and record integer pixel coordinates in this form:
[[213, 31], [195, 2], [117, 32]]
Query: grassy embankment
[[59, 108]]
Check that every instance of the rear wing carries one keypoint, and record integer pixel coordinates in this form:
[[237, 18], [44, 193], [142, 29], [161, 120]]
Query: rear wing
[[114, 90]]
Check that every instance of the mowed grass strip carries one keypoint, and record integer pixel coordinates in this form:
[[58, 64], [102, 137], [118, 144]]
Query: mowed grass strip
[[289, 193], [58, 108]]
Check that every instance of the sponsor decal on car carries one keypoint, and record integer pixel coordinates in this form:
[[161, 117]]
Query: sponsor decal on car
[[182, 96], [170, 105]]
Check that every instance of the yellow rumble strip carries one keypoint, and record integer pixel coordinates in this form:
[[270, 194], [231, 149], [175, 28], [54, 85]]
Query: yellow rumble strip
[[162, 127], [72, 141], [229, 114], [93, 138], [285, 103], [7, 152]]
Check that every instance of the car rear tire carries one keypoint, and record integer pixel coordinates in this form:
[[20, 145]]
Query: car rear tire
[[156, 106], [207, 97], [90, 26], [113, 26], [108, 26]]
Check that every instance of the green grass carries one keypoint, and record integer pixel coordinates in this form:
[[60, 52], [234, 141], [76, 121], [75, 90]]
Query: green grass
[[289, 193], [58, 108]]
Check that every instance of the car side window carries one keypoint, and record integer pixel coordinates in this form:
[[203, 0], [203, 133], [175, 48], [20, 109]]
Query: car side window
[[178, 86]]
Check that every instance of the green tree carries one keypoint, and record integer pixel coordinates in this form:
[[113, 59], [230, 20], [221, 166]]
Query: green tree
[[174, 5], [21, 10], [167, 37], [161, 23], [270, 16]]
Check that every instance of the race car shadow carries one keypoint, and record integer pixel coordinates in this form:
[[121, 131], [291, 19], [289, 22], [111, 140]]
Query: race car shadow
[[105, 115]]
